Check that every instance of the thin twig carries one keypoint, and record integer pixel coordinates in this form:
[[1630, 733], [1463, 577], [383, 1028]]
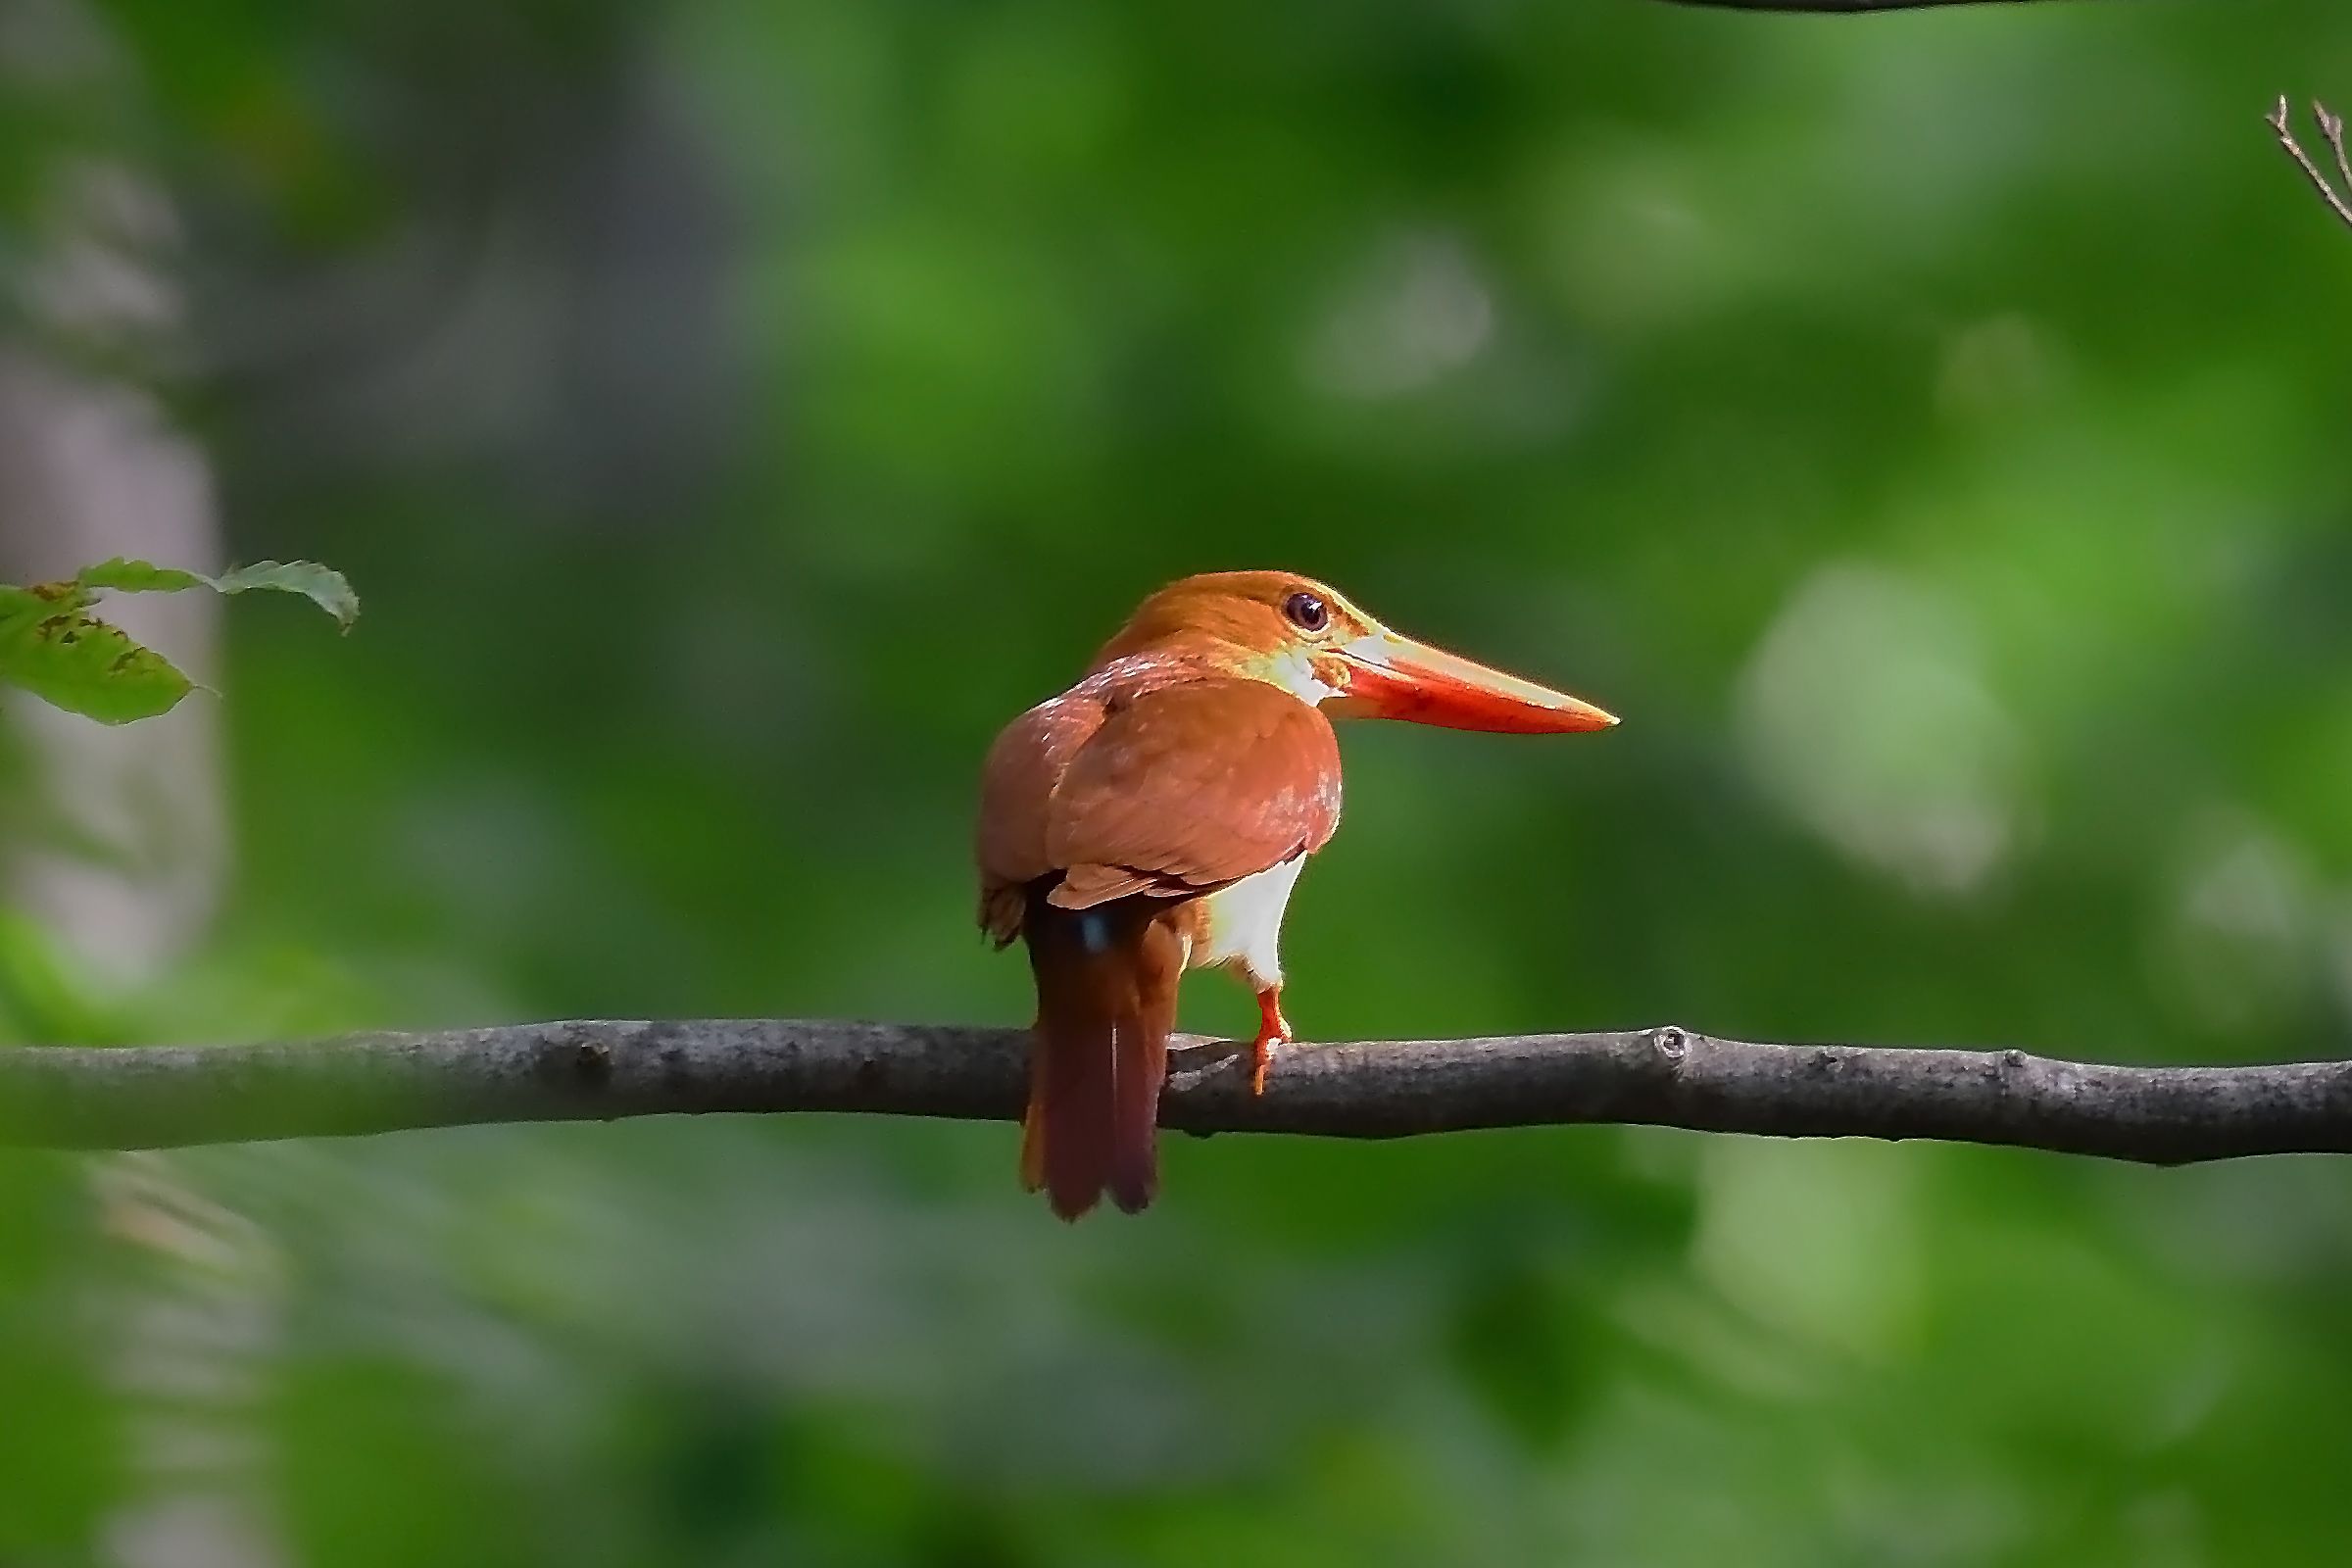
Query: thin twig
[[2332, 125], [161, 1096]]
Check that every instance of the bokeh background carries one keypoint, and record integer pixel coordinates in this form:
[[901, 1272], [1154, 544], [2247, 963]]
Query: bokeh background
[[1930, 431]]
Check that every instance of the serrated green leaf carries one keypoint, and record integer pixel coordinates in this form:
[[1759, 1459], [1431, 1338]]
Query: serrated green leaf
[[323, 586], [137, 577], [86, 666]]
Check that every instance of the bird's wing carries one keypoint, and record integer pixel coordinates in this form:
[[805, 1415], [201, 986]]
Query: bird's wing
[[1171, 790], [1188, 787], [1025, 768]]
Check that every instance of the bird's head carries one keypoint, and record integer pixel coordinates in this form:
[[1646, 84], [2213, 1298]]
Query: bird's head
[[1307, 638]]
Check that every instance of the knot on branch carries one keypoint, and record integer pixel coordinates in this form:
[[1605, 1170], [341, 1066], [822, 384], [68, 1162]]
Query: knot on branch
[[573, 1060]]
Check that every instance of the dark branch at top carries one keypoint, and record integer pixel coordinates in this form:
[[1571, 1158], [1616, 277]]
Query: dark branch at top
[[156, 1097], [1836, 7]]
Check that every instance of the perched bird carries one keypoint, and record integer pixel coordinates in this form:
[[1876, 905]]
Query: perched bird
[[1152, 819]]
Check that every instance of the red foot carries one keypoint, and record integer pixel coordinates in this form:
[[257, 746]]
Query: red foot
[[1273, 1029]]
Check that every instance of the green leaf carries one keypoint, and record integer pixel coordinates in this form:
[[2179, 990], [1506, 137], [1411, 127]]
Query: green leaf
[[23, 606], [138, 577], [323, 586], [52, 647]]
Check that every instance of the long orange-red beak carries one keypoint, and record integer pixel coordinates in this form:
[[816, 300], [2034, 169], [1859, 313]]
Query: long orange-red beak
[[1395, 677]]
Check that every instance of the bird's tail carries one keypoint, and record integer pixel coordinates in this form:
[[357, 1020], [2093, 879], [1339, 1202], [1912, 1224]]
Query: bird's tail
[[1105, 1003]]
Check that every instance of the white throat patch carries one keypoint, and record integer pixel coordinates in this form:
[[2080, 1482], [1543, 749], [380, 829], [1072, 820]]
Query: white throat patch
[[1293, 670]]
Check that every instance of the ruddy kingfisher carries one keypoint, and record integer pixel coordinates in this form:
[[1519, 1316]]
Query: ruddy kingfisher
[[1154, 818]]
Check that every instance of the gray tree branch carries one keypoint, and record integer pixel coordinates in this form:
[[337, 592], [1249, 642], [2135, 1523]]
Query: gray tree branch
[[158, 1096]]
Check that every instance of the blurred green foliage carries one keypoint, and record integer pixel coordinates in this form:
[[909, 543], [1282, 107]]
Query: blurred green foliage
[[1929, 432]]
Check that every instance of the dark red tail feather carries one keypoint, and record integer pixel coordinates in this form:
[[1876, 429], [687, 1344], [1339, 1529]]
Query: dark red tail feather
[[1105, 1003]]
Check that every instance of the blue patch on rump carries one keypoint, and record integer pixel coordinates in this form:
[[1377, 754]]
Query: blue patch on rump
[[1094, 932]]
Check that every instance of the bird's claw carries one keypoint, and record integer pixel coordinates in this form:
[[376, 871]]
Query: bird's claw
[[1273, 1030], [1261, 1056]]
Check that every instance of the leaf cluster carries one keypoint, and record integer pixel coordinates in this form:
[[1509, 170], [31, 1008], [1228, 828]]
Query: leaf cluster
[[54, 646]]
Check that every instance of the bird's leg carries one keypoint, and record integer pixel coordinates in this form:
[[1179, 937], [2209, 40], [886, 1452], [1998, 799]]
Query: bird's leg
[[1273, 1029]]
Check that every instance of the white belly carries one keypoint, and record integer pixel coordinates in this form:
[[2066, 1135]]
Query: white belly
[[1242, 924]]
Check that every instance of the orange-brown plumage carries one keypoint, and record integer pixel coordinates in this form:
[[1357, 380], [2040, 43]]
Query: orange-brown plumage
[[1152, 817]]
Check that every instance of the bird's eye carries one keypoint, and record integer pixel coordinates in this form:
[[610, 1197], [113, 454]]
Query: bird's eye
[[1307, 611]]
